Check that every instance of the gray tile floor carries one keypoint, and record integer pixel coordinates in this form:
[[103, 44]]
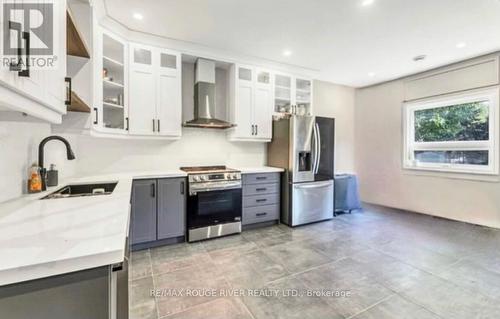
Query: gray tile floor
[[375, 263]]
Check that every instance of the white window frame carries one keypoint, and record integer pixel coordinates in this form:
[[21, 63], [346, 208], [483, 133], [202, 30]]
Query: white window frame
[[492, 146]]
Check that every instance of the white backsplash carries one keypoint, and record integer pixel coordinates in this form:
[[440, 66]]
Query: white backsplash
[[94, 156], [196, 147], [18, 150]]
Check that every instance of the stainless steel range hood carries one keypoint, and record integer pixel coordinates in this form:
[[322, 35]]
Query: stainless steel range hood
[[204, 98]]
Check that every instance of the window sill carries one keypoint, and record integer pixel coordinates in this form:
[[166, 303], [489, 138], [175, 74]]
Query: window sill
[[428, 172]]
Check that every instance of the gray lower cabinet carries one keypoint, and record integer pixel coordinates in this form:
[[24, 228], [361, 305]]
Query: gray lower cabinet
[[158, 210], [261, 198], [171, 207], [143, 220], [78, 295]]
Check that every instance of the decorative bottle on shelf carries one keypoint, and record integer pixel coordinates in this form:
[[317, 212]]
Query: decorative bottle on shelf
[[35, 180]]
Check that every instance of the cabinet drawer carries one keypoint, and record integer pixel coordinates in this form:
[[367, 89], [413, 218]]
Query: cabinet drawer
[[258, 189], [260, 200], [259, 214], [261, 178]]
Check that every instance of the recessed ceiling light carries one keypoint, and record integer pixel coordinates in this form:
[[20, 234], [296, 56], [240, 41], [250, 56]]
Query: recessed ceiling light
[[371, 74], [420, 58], [287, 53], [461, 45], [366, 3], [138, 16]]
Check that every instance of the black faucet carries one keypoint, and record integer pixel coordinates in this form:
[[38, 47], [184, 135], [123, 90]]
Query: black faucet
[[43, 171]]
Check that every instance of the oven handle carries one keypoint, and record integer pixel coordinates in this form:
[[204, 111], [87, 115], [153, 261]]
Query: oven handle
[[211, 189]]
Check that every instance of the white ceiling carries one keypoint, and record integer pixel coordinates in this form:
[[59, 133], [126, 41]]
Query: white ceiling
[[342, 39]]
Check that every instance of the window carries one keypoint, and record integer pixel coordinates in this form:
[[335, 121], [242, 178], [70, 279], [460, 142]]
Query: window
[[457, 133]]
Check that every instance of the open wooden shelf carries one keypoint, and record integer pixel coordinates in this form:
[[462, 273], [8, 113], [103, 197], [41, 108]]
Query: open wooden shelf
[[75, 45], [77, 104]]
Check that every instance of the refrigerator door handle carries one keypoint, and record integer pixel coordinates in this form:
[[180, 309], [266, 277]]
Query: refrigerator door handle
[[317, 145], [313, 147]]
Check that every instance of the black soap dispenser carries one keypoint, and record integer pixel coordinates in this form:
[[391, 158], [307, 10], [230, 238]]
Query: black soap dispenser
[[52, 176]]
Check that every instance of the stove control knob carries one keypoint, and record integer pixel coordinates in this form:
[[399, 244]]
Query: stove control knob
[[196, 178], [203, 178], [235, 176]]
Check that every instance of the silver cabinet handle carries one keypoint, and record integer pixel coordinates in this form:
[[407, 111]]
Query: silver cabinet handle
[[154, 125], [256, 130]]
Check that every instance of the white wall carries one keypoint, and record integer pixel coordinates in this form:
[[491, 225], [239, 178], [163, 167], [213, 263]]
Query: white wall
[[337, 101], [19, 149], [378, 117]]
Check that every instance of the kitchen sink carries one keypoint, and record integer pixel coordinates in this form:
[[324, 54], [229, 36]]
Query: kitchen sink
[[81, 190]]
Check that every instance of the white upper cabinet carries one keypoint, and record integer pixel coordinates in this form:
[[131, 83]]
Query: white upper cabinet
[[169, 93], [33, 89], [243, 104], [303, 96], [251, 104], [137, 89], [155, 92], [55, 93], [292, 94], [263, 105], [142, 107], [110, 83], [282, 93]]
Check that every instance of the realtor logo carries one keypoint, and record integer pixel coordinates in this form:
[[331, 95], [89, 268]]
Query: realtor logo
[[29, 26]]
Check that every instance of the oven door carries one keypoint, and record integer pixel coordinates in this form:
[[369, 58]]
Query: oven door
[[214, 207]]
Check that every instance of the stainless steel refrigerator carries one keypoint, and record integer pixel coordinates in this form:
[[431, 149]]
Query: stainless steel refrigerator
[[305, 147]]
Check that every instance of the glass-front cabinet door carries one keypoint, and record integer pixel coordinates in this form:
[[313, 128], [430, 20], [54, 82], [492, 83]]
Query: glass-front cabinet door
[[282, 93], [112, 101], [303, 96]]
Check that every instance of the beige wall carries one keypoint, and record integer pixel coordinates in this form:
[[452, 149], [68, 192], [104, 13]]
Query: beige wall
[[337, 101], [378, 118]]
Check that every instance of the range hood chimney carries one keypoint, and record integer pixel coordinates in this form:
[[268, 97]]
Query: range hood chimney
[[204, 97]]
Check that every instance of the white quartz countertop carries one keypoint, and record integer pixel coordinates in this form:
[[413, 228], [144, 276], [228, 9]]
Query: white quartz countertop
[[262, 169], [43, 238]]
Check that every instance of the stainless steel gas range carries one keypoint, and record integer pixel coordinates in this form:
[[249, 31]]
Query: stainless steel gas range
[[214, 202]]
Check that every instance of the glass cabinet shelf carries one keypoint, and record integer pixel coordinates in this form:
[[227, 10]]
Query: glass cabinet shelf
[[113, 83]]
